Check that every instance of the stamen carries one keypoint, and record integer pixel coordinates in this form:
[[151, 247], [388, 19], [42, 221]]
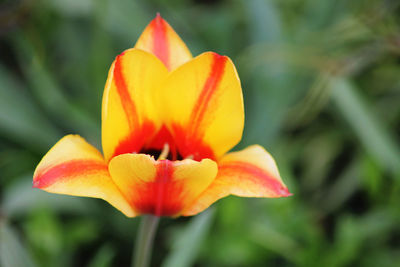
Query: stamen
[[164, 152], [189, 157]]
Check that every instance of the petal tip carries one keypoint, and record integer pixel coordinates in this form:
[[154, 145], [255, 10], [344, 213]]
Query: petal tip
[[36, 183], [158, 20], [284, 192], [217, 56]]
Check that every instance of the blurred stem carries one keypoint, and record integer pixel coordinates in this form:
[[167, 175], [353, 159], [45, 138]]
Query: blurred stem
[[144, 241]]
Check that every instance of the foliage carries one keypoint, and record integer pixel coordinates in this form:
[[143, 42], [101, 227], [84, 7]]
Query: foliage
[[322, 92]]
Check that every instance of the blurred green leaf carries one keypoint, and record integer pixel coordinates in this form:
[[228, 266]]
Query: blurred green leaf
[[21, 198], [73, 7], [335, 140], [103, 257], [15, 162], [186, 244], [20, 119], [12, 252], [52, 96], [373, 133], [44, 233], [271, 239], [355, 233], [266, 93], [81, 232], [126, 19], [345, 185], [265, 20]]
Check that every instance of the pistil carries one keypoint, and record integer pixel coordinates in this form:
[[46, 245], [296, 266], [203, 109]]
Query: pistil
[[164, 153]]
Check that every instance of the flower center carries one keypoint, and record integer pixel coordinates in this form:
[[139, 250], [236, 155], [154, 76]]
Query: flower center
[[181, 144], [164, 154]]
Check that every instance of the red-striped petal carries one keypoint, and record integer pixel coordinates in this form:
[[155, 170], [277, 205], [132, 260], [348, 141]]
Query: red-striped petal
[[161, 40], [162, 188], [129, 116], [74, 167], [202, 106], [251, 172]]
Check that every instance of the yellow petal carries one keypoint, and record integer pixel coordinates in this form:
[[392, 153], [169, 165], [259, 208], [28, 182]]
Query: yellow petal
[[129, 118], [203, 106], [161, 40], [162, 188], [74, 167], [251, 172]]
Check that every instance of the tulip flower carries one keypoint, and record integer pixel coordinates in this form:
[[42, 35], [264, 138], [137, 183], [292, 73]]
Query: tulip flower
[[168, 123]]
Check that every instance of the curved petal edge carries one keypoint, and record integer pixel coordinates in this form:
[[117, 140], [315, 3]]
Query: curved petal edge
[[251, 172], [202, 106], [74, 167], [160, 39], [129, 116], [161, 187]]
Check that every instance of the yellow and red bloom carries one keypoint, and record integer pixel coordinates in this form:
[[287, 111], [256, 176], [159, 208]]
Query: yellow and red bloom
[[157, 96]]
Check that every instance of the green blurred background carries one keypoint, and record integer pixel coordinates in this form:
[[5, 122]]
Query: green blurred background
[[321, 82]]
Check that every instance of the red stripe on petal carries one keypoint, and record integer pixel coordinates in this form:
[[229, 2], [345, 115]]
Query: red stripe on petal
[[254, 174], [138, 134], [163, 137], [67, 170], [163, 197], [191, 145], [189, 141], [208, 91], [164, 174], [181, 145], [160, 39], [135, 141], [122, 89]]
